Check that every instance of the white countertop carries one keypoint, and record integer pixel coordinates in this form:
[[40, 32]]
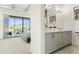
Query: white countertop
[[54, 30]]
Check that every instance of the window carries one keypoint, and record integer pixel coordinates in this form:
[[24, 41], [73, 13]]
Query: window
[[26, 25], [11, 27], [18, 25]]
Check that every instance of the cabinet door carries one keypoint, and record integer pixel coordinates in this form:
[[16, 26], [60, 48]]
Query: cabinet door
[[50, 42], [58, 39], [61, 39], [69, 37], [64, 38]]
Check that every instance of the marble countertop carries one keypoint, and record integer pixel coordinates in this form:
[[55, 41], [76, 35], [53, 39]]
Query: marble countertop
[[55, 30]]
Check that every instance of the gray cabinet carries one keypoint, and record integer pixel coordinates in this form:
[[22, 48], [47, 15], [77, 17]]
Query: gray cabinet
[[57, 40]]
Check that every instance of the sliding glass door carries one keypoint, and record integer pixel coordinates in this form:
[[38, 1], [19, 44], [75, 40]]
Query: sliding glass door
[[18, 25], [11, 27], [26, 25]]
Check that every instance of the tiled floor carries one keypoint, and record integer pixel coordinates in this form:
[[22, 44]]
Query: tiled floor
[[19, 46], [72, 49], [14, 46]]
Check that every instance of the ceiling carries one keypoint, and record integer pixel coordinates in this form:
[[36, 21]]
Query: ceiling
[[19, 7], [25, 7]]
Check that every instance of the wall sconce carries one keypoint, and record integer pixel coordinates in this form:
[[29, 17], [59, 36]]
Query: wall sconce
[[59, 10]]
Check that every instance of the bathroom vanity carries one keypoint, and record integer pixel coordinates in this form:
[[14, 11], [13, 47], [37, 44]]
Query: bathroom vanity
[[55, 40]]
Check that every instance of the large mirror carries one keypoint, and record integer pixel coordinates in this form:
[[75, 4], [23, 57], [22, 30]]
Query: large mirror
[[76, 18], [76, 12], [50, 16]]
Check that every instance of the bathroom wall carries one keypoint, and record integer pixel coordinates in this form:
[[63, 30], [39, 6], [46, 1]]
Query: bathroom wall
[[76, 21], [66, 21], [76, 25], [59, 19], [64, 18], [76, 37]]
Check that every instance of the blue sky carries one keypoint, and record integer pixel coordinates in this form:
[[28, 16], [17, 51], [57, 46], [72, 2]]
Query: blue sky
[[17, 21]]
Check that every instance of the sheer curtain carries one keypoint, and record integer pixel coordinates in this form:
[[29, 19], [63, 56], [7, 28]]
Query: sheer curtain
[[6, 24]]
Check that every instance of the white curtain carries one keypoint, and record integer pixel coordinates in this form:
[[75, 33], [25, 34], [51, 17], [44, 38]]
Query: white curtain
[[6, 24]]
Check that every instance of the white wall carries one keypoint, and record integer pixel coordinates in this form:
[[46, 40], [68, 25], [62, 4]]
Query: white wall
[[9, 12], [1, 26], [76, 25], [59, 20], [64, 19], [67, 22], [76, 38], [76, 21], [37, 29]]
